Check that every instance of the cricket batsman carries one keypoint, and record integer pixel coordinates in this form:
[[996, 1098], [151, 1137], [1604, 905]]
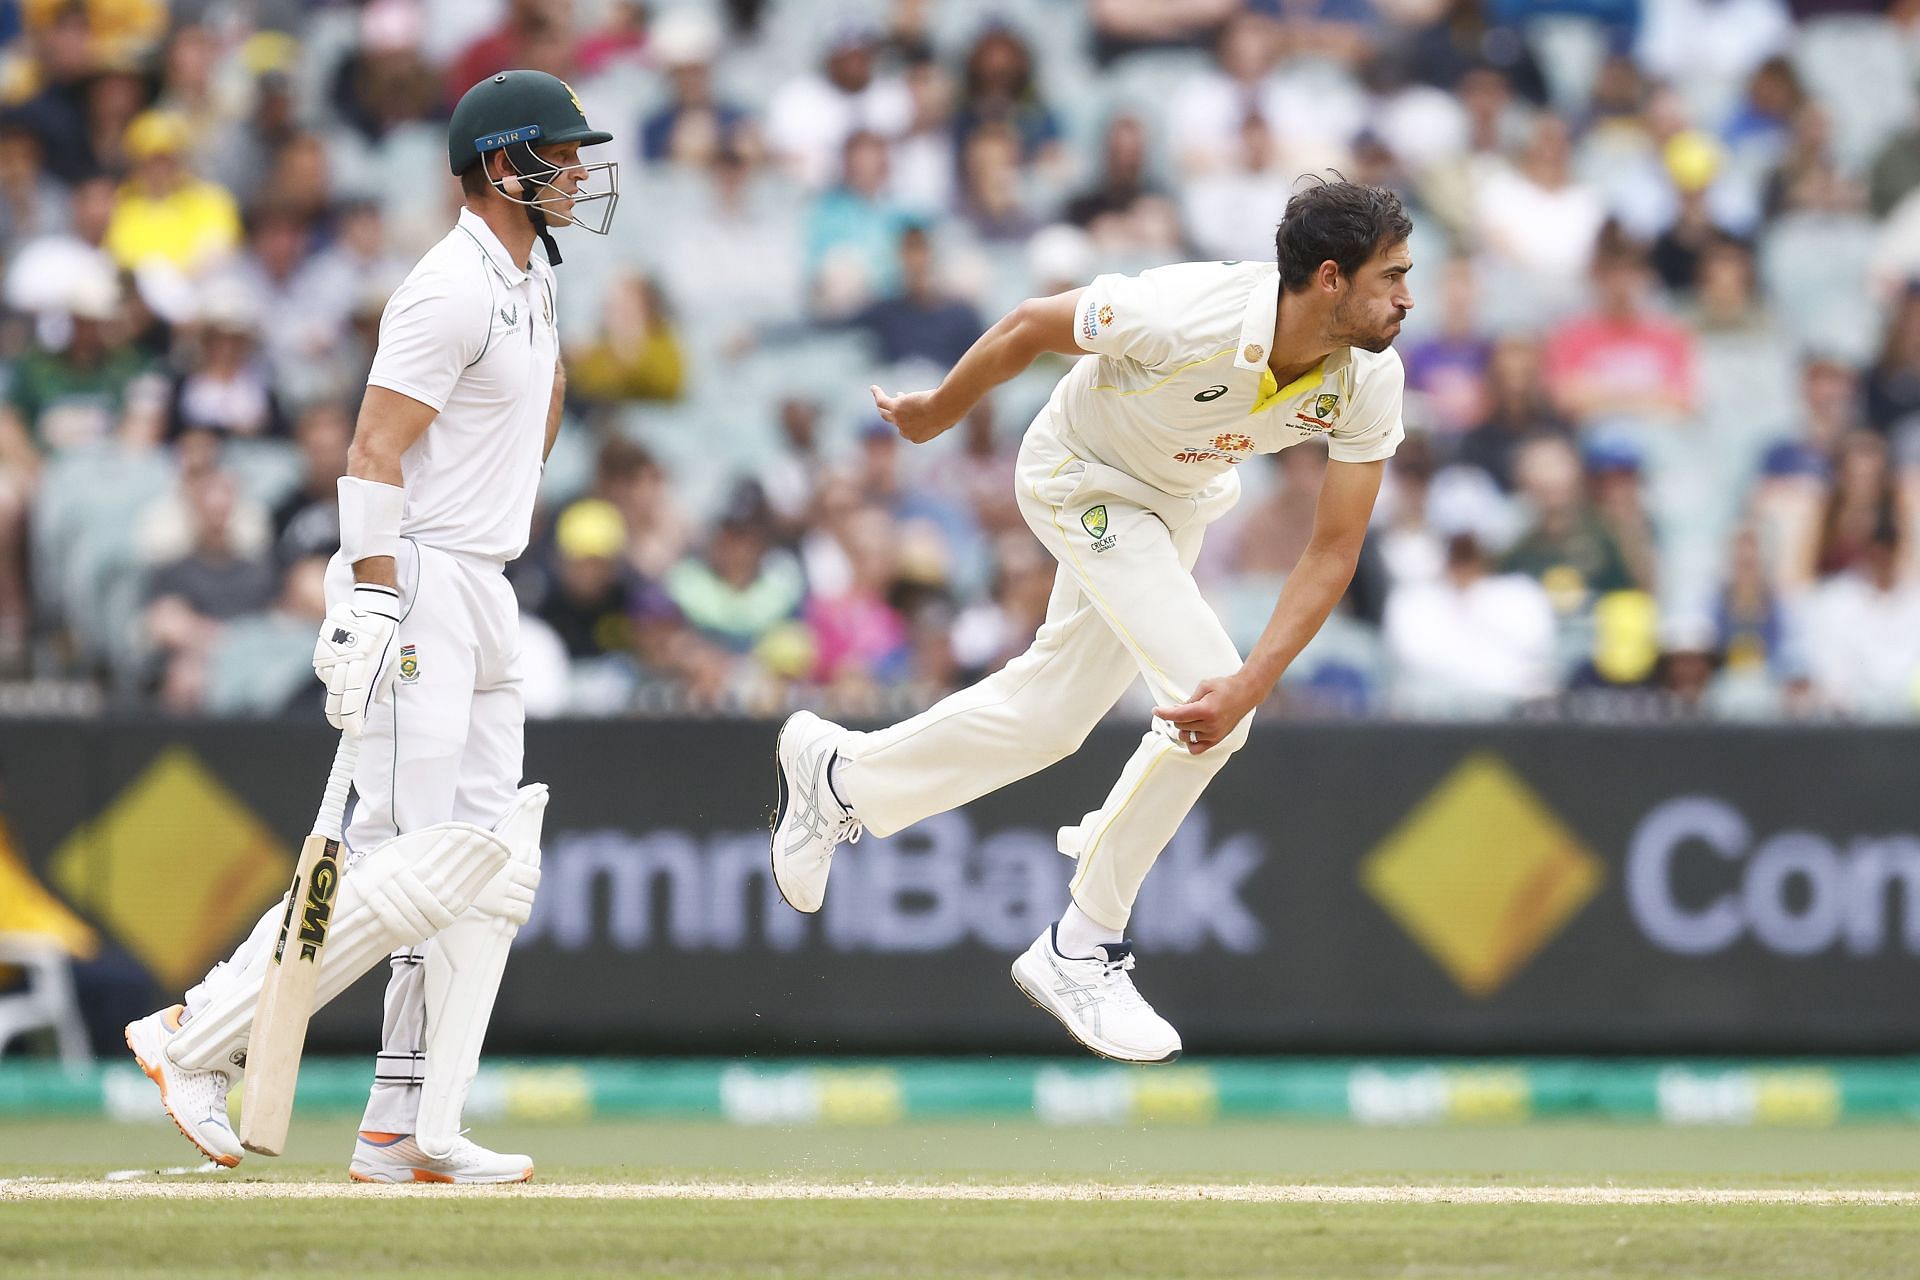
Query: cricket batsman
[[420, 653], [1196, 368]]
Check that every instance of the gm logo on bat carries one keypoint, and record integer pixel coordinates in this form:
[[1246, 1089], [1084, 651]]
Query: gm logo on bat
[[317, 914]]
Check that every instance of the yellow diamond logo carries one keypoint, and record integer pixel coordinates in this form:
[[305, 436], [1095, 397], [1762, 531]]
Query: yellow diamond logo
[[1482, 874], [175, 867]]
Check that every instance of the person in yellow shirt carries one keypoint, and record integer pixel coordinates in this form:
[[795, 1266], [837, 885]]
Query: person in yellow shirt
[[164, 213]]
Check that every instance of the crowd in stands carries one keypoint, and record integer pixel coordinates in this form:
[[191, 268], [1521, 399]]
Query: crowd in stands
[[1663, 375]]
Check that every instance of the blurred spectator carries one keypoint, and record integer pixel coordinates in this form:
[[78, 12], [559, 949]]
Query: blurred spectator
[[1622, 360], [534, 33], [1750, 623], [695, 121], [853, 231], [589, 600], [1467, 35], [228, 389], [1893, 384], [240, 154], [637, 355], [993, 195], [1710, 47], [1123, 180], [295, 326], [736, 258], [55, 112], [41, 274], [980, 477], [742, 588], [1447, 371], [1896, 169], [1856, 505], [1232, 210], [1567, 548], [1268, 540], [32, 201], [858, 636], [658, 532], [997, 88], [811, 121], [164, 213], [787, 476], [1692, 160], [190, 599], [1863, 634], [1758, 129], [1535, 217], [306, 524], [1127, 26], [923, 321], [987, 635], [93, 389], [1614, 474], [1470, 641], [264, 660], [1208, 114], [1518, 409], [622, 40], [1726, 295], [924, 168]]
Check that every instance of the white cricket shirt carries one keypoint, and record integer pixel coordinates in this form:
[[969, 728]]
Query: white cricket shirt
[[472, 335], [1180, 392]]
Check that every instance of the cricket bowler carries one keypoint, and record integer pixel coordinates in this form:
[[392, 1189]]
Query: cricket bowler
[[1196, 368]]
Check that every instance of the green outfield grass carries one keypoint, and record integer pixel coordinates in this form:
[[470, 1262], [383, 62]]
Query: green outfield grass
[[512, 1236]]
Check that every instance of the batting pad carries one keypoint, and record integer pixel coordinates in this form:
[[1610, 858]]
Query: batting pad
[[398, 895]]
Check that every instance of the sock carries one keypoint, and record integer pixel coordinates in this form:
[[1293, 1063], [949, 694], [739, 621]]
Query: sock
[[834, 784], [1078, 934]]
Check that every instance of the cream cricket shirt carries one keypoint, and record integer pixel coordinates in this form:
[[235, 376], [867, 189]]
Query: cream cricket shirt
[[1181, 393], [472, 335]]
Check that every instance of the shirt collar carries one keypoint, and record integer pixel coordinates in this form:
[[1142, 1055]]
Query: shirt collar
[[475, 226], [1256, 330]]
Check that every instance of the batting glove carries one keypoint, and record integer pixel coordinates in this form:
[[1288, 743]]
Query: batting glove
[[356, 656]]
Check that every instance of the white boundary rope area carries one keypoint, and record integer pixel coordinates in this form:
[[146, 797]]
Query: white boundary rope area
[[235, 1188]]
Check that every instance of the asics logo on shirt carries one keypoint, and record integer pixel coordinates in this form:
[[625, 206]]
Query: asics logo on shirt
[[1211, 393]]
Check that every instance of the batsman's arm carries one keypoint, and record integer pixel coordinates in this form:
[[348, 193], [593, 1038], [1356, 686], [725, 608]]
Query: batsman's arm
[[555, 406], [389, 425], [1029, 331]]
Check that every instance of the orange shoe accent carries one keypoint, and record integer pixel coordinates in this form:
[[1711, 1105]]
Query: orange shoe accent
[[384, 1139], [160, 1082], [357, 1176], [172, 1017], [427, 1175]]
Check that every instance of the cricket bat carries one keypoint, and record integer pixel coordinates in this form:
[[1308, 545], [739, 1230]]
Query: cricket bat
[[279, 1033]]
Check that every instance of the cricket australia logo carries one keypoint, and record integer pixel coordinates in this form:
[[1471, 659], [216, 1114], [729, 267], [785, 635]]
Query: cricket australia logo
[[1326, 406], [1094, 521], [409, 665]]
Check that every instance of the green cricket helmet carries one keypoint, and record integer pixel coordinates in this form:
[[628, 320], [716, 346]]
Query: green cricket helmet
[[517, 111]]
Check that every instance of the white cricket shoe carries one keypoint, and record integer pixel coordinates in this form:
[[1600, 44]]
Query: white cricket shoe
[[1095, 1001], [396, 1157], [809, 823], [196, 1100]]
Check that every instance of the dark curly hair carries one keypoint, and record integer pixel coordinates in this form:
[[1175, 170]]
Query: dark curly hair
[[1338, 220]]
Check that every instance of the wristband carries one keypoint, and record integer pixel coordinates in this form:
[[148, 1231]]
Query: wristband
[[371, 597], [370, 518]]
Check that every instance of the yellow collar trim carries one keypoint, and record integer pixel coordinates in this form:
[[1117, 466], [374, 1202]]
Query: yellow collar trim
[[1271, 390]]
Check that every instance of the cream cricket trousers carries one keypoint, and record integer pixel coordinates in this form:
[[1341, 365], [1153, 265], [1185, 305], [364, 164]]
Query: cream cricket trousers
[[444, 746], [1124, 604]]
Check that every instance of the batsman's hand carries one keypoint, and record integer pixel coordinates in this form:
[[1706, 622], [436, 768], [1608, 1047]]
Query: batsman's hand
[[914, 414], [357, 654], [1217, 705]]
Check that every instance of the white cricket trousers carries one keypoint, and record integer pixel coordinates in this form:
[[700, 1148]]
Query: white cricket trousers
[[444, 746], [1124, 603]]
